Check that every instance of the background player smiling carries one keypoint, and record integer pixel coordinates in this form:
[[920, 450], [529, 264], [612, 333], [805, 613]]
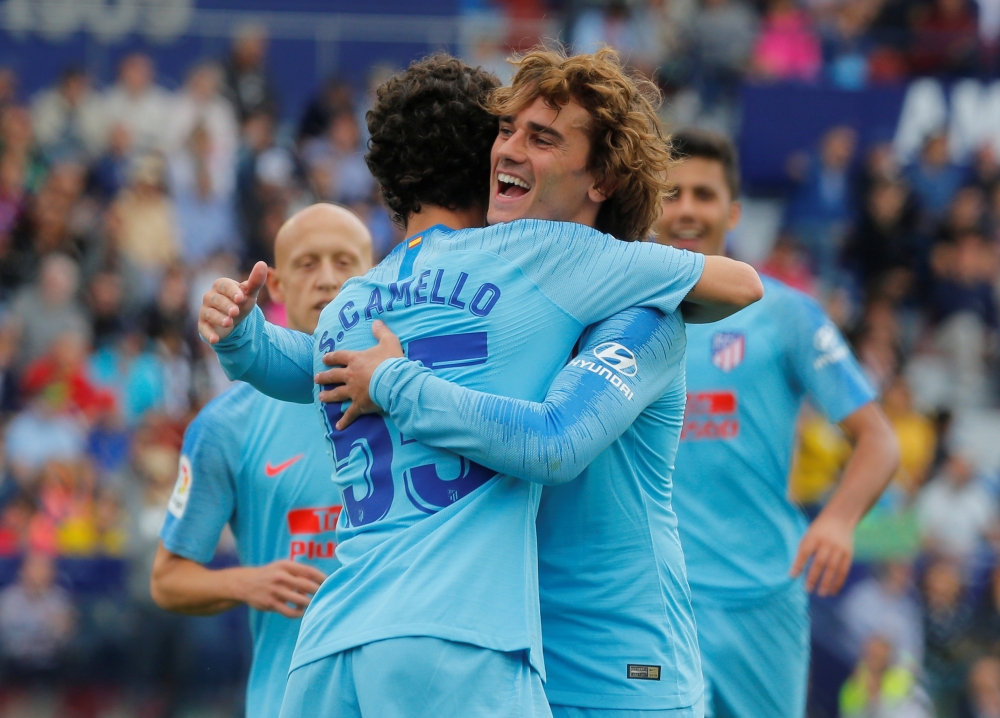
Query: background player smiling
[[267, 477], [743, 539], [411, 624]]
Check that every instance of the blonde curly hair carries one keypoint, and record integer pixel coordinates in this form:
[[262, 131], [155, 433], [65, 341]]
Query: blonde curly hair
[[629, 152]]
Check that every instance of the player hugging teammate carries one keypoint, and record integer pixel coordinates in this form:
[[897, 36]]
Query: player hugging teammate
[[503, 497]]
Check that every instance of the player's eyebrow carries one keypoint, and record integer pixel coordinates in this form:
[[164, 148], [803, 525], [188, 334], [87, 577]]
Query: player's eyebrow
[[546, 130]]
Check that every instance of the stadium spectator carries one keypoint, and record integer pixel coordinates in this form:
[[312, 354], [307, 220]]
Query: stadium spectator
[[67, 119], [934, 178], [721, 39], [247, 83], [915, 433], [882, 687], [884, 605], [820, 207], [944, 38], [36, 623], [138, 103], [983, 696], [337, 163], [203, 192], [885, 239], [947, 621], [202, 104], [48, 309], [334, 97], [956, 512], [109, 173], [787, 47], [145, 227], [963, 308]]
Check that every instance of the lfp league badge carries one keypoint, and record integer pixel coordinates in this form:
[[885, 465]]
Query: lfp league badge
[[728, 350]]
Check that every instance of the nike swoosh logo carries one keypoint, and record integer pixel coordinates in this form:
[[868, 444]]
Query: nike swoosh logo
[[273, 471]]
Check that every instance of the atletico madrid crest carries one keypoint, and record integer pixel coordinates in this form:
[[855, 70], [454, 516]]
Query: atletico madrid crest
[[728, 350]]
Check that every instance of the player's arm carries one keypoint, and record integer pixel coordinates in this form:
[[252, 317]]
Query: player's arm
[[827, 369], [588, 406], [184, 586], [829, 540], [274, 360], [594, 276], [202, 503], [725, 287]]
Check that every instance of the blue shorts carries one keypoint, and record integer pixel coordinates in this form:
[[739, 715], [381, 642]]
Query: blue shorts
[[695, 711], [416, 677], [755, 658]]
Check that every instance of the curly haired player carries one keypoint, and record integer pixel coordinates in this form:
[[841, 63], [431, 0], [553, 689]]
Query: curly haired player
[[434, 610]]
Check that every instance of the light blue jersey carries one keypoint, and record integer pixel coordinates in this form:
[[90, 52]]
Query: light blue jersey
[[261, 466], [432, 544], [617, 624], [747, 376]]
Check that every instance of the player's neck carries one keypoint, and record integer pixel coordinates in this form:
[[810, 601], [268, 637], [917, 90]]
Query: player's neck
[[431, 214]]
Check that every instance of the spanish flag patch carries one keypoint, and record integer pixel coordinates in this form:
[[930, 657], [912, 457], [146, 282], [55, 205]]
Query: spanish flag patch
[[415, 241]]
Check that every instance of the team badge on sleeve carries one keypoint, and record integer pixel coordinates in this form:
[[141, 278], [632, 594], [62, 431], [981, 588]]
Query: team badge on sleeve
[[728, 350], [182, 489]]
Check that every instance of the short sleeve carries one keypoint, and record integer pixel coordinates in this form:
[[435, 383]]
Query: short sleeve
[[204, 496], [821, 360]]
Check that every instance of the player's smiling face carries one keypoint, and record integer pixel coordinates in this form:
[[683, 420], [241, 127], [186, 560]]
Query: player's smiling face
[[539, 166], [700, 212]]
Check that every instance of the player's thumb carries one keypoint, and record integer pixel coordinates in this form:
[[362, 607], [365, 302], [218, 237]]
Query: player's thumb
[[256, 280], [383, 334]]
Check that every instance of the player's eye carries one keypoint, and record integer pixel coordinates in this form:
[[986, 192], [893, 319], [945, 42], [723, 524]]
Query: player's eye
[[506, 132], [542, 142]]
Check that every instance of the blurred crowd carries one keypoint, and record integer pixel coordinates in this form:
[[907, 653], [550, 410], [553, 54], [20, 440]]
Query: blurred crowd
[[120, 204]]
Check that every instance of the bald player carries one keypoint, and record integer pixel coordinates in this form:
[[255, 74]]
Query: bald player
[[268, 476]]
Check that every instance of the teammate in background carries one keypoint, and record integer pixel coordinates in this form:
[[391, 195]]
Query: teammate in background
[[262, 466], [435, 608], [743, 539]]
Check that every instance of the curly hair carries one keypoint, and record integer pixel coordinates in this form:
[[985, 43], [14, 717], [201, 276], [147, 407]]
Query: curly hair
[[431, 135], [629, 153]]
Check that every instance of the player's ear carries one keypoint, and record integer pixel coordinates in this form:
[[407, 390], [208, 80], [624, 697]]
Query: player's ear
[[274, 288], [735, 212], [597, 194]]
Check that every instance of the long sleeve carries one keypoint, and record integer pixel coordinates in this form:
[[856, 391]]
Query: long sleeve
[[277, 362], [626, 363]]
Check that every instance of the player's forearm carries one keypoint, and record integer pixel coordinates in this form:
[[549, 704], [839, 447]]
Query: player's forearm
[[274, 360], [183, 586], [871, 467], [726, 286], [549, 442]]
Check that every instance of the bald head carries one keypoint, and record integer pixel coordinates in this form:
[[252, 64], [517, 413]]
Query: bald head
[[315, 252]]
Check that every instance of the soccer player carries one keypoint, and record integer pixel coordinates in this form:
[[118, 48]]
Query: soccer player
[[743, 539], [435, 608], [261, 466]]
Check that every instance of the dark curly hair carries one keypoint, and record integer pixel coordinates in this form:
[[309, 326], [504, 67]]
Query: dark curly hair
[[431, 136]]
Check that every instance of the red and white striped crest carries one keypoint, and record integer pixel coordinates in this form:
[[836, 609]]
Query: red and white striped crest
[[728, 350]]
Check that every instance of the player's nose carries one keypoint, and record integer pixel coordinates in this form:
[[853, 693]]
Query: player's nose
[[513, 149]]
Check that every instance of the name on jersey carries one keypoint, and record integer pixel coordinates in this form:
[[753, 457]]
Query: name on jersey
[[612, 356], [711, 415], [446, 289], [310, 522]]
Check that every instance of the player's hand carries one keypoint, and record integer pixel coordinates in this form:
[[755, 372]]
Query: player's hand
[[228, 303], [353, 372], [274, 586], [829, 542]]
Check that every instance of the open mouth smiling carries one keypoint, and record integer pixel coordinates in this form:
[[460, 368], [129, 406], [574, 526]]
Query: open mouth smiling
[[511, 186]]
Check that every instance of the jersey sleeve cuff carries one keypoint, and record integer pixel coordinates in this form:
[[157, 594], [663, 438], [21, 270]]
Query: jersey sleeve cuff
[[234, 351], [388, 375]]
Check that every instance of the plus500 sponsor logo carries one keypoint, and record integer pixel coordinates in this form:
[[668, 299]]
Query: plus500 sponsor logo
[[310, 522], [711, 415]]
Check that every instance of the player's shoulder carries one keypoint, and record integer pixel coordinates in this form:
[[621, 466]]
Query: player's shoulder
[[227, 415], [526, 233]]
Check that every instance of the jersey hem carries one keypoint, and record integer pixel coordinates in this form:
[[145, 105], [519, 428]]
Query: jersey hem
[[329, 648], [187, 554], [612, 701]]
